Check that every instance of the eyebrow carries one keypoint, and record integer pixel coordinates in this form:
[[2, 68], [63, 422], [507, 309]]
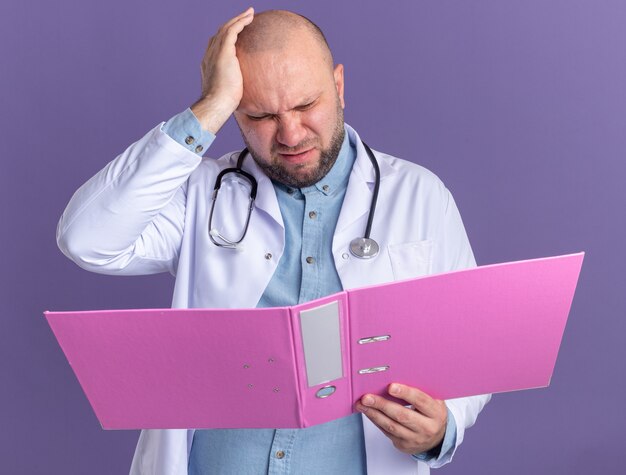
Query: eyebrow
[[309, 100]]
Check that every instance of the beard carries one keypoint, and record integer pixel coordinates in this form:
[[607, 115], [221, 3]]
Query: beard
[[299, 177]]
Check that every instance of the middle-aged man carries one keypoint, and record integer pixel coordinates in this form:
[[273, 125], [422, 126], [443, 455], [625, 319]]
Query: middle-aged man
[[149, 209]]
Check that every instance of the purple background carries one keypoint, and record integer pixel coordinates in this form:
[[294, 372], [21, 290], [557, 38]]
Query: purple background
[[520, 107]]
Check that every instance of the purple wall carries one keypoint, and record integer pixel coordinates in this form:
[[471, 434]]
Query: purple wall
[[519, 106]]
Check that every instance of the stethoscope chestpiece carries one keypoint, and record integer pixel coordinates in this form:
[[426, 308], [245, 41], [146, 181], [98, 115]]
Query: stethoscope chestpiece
[[364, 248]]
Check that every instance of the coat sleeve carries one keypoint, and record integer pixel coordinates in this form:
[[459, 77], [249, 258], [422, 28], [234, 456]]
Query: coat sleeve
[[457, 254], [128, 219], [454, 247], [162, 452]]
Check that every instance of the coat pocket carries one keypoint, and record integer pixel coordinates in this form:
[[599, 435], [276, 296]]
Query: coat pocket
[[410, 259]]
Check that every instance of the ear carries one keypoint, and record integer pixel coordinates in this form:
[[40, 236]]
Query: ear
[[338, 75]]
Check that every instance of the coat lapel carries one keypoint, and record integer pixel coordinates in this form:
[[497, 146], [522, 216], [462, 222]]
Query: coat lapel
[[358, 199]]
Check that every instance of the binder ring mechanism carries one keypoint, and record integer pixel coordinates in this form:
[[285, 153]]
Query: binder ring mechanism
[[374, 339], [329, 390], [375, 369]]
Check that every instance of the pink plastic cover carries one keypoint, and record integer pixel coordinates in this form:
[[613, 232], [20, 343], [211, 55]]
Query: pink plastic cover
[[184, 368], [484, 330]]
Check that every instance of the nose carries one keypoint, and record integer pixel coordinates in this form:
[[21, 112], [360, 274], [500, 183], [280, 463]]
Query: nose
[[290, 131]]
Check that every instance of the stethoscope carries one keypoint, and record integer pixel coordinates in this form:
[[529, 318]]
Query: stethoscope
[[362, 247]]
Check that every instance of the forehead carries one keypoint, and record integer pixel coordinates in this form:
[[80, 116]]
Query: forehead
[[277, 81]]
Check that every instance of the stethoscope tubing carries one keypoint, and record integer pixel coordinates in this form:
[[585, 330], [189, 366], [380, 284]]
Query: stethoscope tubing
[[360, 247], [370, 217]]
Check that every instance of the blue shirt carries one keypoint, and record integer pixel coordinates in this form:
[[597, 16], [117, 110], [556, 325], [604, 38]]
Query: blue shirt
[[306, 271]]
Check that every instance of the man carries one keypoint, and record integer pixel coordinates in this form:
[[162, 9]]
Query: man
[[149, 211]]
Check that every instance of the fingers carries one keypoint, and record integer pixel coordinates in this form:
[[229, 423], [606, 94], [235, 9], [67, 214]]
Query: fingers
[[397, 422], [240, 21], [402, 438], [409, 430], [220, 71], [233, 30], [385, 412], [420, 401], [233, 26], [243, 15]]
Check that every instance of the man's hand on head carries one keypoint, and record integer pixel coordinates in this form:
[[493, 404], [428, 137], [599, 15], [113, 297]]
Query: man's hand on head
[[413, 430], [222, 82]]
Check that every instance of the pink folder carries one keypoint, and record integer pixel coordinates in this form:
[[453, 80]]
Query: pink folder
[[484, 330]]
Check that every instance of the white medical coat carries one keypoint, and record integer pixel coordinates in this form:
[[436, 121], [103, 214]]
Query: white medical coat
[[147, 211]]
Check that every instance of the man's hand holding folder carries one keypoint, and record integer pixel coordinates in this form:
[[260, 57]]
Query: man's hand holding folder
[[414, 429]]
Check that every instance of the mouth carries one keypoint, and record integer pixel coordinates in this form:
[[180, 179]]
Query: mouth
[[299, 157]]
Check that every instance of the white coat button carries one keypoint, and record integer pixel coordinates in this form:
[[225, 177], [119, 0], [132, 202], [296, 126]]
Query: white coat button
[[310, 260], [189, 140], [345, 255], [268, 256]]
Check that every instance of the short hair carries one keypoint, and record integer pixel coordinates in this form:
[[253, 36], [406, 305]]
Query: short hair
[[272, 29]]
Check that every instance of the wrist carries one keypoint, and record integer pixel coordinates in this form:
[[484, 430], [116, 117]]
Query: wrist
[[211, 114]]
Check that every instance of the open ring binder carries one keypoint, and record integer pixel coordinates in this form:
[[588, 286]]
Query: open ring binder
[[489, 329]]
